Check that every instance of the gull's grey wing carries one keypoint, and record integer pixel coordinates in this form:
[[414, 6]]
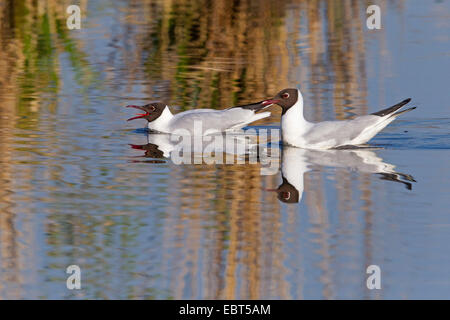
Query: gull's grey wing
[[340, 131], [209, 119]]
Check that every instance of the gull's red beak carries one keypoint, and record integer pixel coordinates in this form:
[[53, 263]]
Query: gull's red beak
[[139, 115], [272, 190], [137, 146], [269, 102]]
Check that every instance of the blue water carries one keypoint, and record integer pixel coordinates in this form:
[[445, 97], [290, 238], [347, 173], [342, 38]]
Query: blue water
[[73, 190]]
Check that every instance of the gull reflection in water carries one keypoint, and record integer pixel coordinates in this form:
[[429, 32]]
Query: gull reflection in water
[[296, 162], [252, 149], [241, 148]]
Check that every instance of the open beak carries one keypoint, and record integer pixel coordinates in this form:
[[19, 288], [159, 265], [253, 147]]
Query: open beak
[[139, 115], [269, 102], [137, 146]]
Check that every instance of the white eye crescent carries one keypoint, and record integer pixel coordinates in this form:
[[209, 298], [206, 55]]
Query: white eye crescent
[[285, 95]]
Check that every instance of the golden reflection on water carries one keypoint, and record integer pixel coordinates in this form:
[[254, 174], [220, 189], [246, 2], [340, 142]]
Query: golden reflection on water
[[221, 235], [236, 226]]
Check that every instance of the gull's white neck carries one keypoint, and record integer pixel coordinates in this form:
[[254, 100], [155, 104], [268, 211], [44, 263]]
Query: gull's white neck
[[294, 166], [163, 142], [293, 123], [161, 124]]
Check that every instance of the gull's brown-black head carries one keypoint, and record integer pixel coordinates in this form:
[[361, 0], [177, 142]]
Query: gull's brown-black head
[[151, 150], [286, 98], [152, 111], [286, 192]]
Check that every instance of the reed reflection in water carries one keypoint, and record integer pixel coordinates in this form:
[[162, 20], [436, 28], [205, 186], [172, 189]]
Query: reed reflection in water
[[73, 192], [249, 226]]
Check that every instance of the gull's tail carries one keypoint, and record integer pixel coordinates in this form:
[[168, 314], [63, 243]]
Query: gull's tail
[[256, 116], [391, 110], [258, 106], [403, 111]]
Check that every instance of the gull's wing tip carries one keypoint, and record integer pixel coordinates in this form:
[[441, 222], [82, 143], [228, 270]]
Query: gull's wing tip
[[392, 109]]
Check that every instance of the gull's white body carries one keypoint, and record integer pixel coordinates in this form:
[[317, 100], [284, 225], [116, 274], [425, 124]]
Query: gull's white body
[[204, 121], [298, 132]]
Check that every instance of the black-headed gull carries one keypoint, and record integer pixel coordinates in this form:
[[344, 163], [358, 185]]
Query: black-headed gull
[[298, 132], [199, 121], [295, 162]]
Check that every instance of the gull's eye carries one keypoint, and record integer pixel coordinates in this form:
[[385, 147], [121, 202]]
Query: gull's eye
[[152, 108], [285, 95], [286, 195]]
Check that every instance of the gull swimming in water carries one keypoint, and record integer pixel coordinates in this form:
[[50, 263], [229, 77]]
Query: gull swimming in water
[[199, 121], [298, 132]]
